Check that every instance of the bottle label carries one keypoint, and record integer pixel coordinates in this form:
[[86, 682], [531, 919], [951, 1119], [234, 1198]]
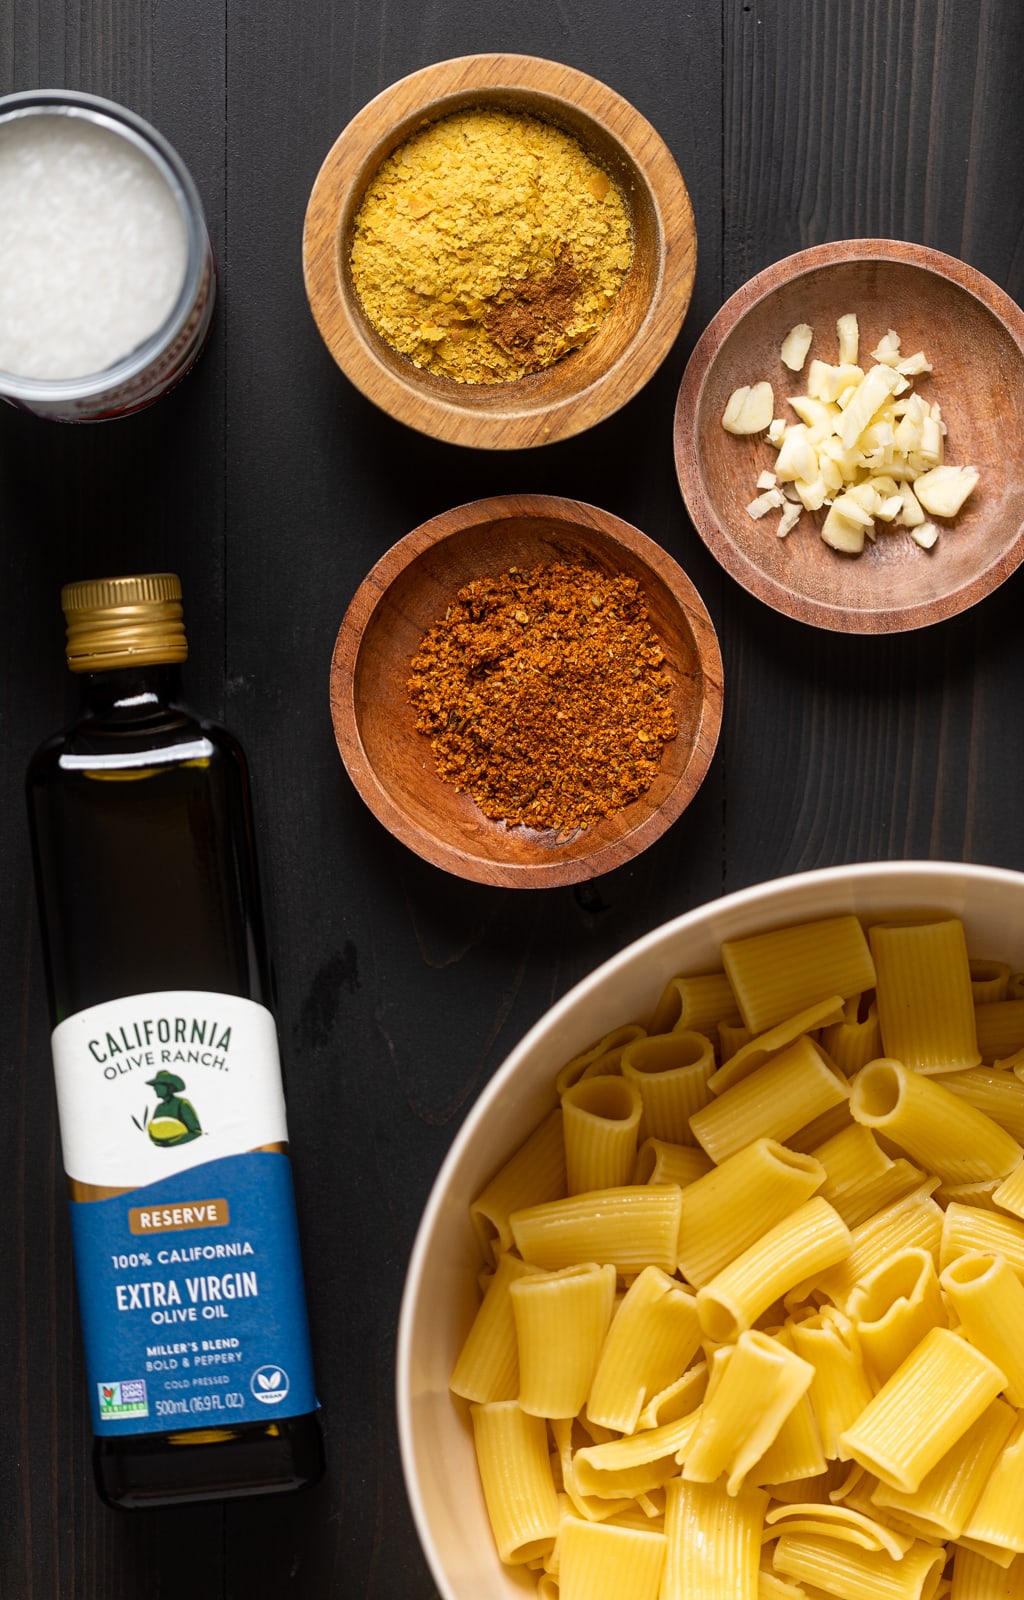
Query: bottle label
[[186, 1248]]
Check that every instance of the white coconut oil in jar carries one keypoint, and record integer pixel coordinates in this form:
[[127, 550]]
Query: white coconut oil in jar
[[106, 270]]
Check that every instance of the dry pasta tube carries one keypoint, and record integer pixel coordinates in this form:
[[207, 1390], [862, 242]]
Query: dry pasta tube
[[561, 1322], [945, 1134], [800, 1247], [1009, 1195], [913, 1222], [601, 1060], [699, 1003], [714, 1541], [925, 1407], [856, 1040], [988, 1297], [893, 1307], [633, 1465], [776, 974], [488, 1364], [839, 1388], [599, 1562], [995, 1090], [996, 1518], [534, 1174], [634, 1226], [972, 1228], [754, 1386], [840, 1522], [654, 1336], [600, 1119], [732, 1036], [940, 1507], [971, 1194], [515, 1471], [860, 1178], [990, 980], [660, 1161], [841, 1569], [671, 1072], [785, 1094], [727, 1210], [975, 1578], [1000, 1028], [770, 1586], [588, 1507], [755, 1052], [925, 1003], [795, 1454], [678, 1400]]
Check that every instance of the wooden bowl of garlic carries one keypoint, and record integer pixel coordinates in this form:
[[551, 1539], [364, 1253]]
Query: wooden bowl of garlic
[[499, 251], [848, 432]]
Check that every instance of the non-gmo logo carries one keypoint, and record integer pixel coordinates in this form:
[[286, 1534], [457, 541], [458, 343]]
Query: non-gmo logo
[[269, 1385]]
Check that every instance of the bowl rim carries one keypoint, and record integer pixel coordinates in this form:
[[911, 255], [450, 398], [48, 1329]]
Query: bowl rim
[[431, 535], [792, 603], [953, 876], [511, 420]]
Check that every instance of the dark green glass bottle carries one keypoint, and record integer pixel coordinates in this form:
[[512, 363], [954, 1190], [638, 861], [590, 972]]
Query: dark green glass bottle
[[168, 1081]]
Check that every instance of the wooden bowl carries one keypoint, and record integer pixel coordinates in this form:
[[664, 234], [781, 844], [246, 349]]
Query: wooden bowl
[[586, 385], [392, 765], [972, 333]]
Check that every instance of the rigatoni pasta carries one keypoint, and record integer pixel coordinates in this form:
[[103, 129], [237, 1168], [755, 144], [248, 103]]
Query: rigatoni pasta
[[776, 974], [789, 1091], [778, 1355], [600, 1123], [941, 1132], [730, 1207], [925, 1000]]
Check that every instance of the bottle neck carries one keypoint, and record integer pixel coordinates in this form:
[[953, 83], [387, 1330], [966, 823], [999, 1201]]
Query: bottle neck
[[129, 689]]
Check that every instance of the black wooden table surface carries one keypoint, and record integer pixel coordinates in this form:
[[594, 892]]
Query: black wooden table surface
[[272, 486]]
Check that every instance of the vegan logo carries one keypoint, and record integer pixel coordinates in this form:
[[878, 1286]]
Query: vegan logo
[[174, 1120], [269, 1385]]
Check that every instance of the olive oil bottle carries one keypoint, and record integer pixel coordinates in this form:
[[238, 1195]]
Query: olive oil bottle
[[168, 1079]]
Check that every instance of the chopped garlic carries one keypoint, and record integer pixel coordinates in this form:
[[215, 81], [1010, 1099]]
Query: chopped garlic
[[771, 500], [848, 331], [943, 490], [788, 520], [749, 409], [887, 350], [865, 446], [796, 345]]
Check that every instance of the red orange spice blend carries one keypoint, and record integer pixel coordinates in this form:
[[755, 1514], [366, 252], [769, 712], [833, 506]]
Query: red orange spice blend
[[545, 695]]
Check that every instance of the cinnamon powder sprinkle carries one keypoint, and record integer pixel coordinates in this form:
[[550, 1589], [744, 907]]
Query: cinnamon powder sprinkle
[[488, 245], [545, 695]]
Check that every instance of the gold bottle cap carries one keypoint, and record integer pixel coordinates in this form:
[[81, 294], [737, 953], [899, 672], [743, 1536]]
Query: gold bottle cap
[[124, 622]]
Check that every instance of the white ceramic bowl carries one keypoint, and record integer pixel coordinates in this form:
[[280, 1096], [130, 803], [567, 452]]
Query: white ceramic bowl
[[441, 1287]]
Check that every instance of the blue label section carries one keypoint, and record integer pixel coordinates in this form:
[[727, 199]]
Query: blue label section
[[192, 1302]]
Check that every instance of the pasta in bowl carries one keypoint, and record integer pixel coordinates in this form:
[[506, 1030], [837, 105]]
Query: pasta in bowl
[[748, 1207]]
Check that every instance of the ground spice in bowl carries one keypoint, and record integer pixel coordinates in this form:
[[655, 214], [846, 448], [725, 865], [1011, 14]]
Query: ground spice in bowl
[[544, 695], [488, 245]]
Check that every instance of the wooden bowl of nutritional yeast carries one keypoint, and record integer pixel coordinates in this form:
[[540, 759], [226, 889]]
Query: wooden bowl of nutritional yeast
[[971, 332], [412, 588], [591, 381]]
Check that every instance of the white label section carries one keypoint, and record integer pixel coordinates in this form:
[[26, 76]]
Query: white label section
[[152, 1084]]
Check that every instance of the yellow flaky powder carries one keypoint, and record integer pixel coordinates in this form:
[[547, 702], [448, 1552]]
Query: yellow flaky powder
[[488, 245]]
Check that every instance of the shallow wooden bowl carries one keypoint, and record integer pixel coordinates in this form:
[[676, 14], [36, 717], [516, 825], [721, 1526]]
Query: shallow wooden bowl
[[392, 765], [588, 384], [972, 333]]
